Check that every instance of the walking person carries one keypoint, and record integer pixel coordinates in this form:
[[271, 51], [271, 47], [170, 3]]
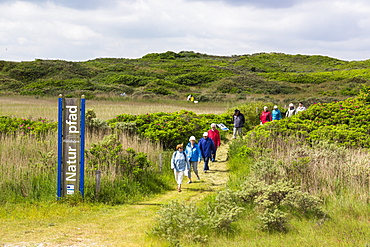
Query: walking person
[[300, 107], [291, 111], [179, 164], [265, 115], [276, 113], [207, 148], [239, 121], [214, 134], [194, 156]]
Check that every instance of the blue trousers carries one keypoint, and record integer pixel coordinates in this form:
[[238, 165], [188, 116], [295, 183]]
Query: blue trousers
[[206, 160]]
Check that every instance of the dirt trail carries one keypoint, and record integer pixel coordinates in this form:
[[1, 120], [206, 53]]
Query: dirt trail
[[125, 225]]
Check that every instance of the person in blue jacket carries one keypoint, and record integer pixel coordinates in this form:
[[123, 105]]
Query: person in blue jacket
[[194, 155], [276, 113], [207, 149]]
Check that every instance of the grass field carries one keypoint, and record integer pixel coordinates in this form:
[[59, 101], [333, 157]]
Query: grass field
[[31, 107]]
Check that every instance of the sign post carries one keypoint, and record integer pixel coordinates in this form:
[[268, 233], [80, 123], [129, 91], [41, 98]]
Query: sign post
[[71, 146]]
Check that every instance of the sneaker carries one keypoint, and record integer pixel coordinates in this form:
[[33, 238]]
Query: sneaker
[[189, 182], [198, 178]]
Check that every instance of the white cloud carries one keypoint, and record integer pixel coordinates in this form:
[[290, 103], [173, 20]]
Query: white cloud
[[133, 28]]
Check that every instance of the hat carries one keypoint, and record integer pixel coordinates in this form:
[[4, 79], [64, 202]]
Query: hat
[[291, 104], [236, 110], [192, 138], [275, 106], [213, 125], [205, 134], [265, 107]]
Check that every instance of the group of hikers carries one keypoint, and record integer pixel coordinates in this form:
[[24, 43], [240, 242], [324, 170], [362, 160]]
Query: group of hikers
[[185, 160], [267, 116]]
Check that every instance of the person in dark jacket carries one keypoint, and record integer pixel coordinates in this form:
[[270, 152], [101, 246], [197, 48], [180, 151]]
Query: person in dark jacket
[[207, 149], [239, 121]]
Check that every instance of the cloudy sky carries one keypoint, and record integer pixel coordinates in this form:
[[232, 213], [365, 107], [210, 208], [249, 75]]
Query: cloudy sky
[[79, 30]]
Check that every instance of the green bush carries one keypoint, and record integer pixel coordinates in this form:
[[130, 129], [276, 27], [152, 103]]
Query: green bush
[[170, 128], [186, 223], [276, 200]]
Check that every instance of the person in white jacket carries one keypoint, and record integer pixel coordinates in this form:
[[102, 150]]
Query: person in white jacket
[[291, 111], [179, 164], [300, 107]]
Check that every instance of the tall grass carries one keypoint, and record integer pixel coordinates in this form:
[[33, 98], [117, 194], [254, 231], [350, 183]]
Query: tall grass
[[28, 168], [323, 168]]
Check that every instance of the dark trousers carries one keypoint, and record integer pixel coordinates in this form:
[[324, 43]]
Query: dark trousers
[[206, 160], [214, 156]]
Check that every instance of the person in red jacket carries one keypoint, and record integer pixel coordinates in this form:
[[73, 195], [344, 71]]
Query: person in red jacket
[[266, 115], [214, 134]]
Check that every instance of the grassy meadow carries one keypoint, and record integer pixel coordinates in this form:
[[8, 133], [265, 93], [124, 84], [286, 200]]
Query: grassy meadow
[[47, 107], [335, 179]]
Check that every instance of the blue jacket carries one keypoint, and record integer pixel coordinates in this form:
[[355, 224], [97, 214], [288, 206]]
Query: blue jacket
[[276, 114], [207, 147], [193, 153]]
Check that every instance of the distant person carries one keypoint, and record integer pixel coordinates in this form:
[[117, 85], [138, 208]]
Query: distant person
[[214, 134], [179, 164], [291, 111], [300, 107], [192, 98], [276, 113], [194, 156], [265, 115], [239, 121], [207, 149], [189, 97]]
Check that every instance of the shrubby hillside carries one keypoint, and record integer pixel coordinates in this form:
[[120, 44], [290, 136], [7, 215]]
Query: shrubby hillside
[[208, 77]]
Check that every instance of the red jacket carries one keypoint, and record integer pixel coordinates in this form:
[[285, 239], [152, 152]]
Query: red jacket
[[215, 136], [266, 117]]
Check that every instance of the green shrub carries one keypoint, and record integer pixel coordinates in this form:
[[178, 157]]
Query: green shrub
[[275, 201], [170, 128], [180, 222]]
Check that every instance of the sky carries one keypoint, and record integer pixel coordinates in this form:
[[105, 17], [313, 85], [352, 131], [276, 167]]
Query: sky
[[80, 30]]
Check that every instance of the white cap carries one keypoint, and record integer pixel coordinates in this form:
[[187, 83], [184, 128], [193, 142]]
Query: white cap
[[205, 134], [291, 104], [265, 107], [275, 106], [192, 138], [213, 124]]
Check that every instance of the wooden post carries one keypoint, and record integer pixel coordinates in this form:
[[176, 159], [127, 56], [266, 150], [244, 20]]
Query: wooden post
[[160, 162], [97, 180]]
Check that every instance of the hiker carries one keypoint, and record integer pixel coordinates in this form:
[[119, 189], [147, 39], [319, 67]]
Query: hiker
[[207, 148], [300, 107], [194, 156], [265, 115], [239, 121], [179, 164], [214, 134], [291, 111], [276, 113], [188, 98]]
